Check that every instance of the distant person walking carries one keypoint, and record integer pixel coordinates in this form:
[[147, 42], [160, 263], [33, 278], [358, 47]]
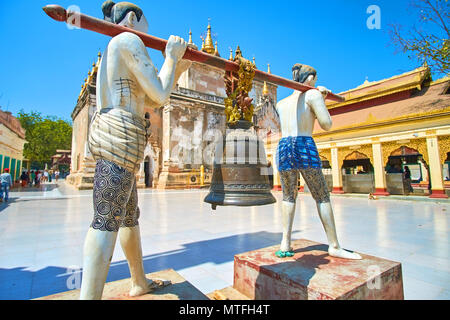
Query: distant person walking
[[32, 177], [45, 177], [56, 175], [37, 180], [407, 181], [6, 183], [24, 178]]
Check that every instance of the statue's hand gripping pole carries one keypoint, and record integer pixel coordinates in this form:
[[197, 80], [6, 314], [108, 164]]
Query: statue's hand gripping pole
[[58, 13]]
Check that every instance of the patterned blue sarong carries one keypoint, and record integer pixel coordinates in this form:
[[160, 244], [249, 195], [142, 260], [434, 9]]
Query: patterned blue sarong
[[296, 153]]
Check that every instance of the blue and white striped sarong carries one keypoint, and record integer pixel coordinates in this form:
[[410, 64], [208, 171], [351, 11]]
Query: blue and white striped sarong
[[295, 153]]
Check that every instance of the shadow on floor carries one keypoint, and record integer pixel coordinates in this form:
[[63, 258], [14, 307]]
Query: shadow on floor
[[22, 284], [4, 204], [299, 272]]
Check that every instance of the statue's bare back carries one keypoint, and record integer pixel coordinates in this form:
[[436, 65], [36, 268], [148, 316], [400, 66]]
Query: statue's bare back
[[299, 111], [127, 78]]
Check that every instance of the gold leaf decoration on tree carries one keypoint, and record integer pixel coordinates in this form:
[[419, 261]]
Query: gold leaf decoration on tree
[[238, 105]]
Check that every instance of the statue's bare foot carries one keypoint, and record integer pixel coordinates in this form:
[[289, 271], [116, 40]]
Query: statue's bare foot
[[139, 290], [285, 246], [344, 254], [284, 254]]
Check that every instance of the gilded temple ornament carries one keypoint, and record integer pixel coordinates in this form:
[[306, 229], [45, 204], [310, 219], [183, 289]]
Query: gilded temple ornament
[[238, 105]]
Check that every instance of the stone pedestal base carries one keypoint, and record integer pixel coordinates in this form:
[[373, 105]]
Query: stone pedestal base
[[182, 180], [381, 192], [180, 289], [438, 194], [313, 275], [81, 181], [338, 190]]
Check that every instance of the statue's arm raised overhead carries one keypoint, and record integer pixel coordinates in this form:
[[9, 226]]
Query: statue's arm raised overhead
[[156, 87]]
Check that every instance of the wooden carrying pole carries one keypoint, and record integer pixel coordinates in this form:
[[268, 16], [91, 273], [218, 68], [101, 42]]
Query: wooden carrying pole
[[83, 21]]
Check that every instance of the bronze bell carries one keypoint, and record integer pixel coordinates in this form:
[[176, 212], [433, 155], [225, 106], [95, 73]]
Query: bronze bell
[[241, 170]]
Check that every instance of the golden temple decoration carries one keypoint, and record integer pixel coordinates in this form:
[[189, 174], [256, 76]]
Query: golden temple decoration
[[421, 146], [216, 51], [265, 88], [238, 105], [364, 150], [231, 55], [203, 44], [368, 151], [208, 45], [325, 154], [444, 147], [418, 144], [342, 153], [238, 53], [190, 37], [265, 91]]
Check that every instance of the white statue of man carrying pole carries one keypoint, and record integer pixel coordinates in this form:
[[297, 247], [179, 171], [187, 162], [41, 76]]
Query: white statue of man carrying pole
[[126, 80], [297, 153]]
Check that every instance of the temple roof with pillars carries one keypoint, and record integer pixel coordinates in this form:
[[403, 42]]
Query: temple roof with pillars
[[411, 96]]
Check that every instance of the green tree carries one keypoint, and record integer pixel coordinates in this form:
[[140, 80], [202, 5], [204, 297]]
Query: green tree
[[44, 135], [428, 40]]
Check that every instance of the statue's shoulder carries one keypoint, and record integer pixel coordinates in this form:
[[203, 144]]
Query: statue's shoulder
[[313, 95], [126, 40]]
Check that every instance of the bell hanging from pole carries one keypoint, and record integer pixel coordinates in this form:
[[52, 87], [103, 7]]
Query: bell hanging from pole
[[241, 171]]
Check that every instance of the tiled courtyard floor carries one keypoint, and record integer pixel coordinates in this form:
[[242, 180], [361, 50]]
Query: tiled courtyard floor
[[42, 234]]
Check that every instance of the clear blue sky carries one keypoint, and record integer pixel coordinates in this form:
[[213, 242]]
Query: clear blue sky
[[43, 64]]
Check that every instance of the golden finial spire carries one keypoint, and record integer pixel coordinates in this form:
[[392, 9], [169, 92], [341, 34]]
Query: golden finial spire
[[238, 52], [231, 55], [254, 61], [216, 52], [265, 89], [209, 46], [99, 55], [203, 43], [191, 42]]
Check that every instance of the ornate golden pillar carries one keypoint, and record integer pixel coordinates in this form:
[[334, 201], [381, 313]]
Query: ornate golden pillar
[[437, 181], [380, 175], [336, 171], [444, 147]]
